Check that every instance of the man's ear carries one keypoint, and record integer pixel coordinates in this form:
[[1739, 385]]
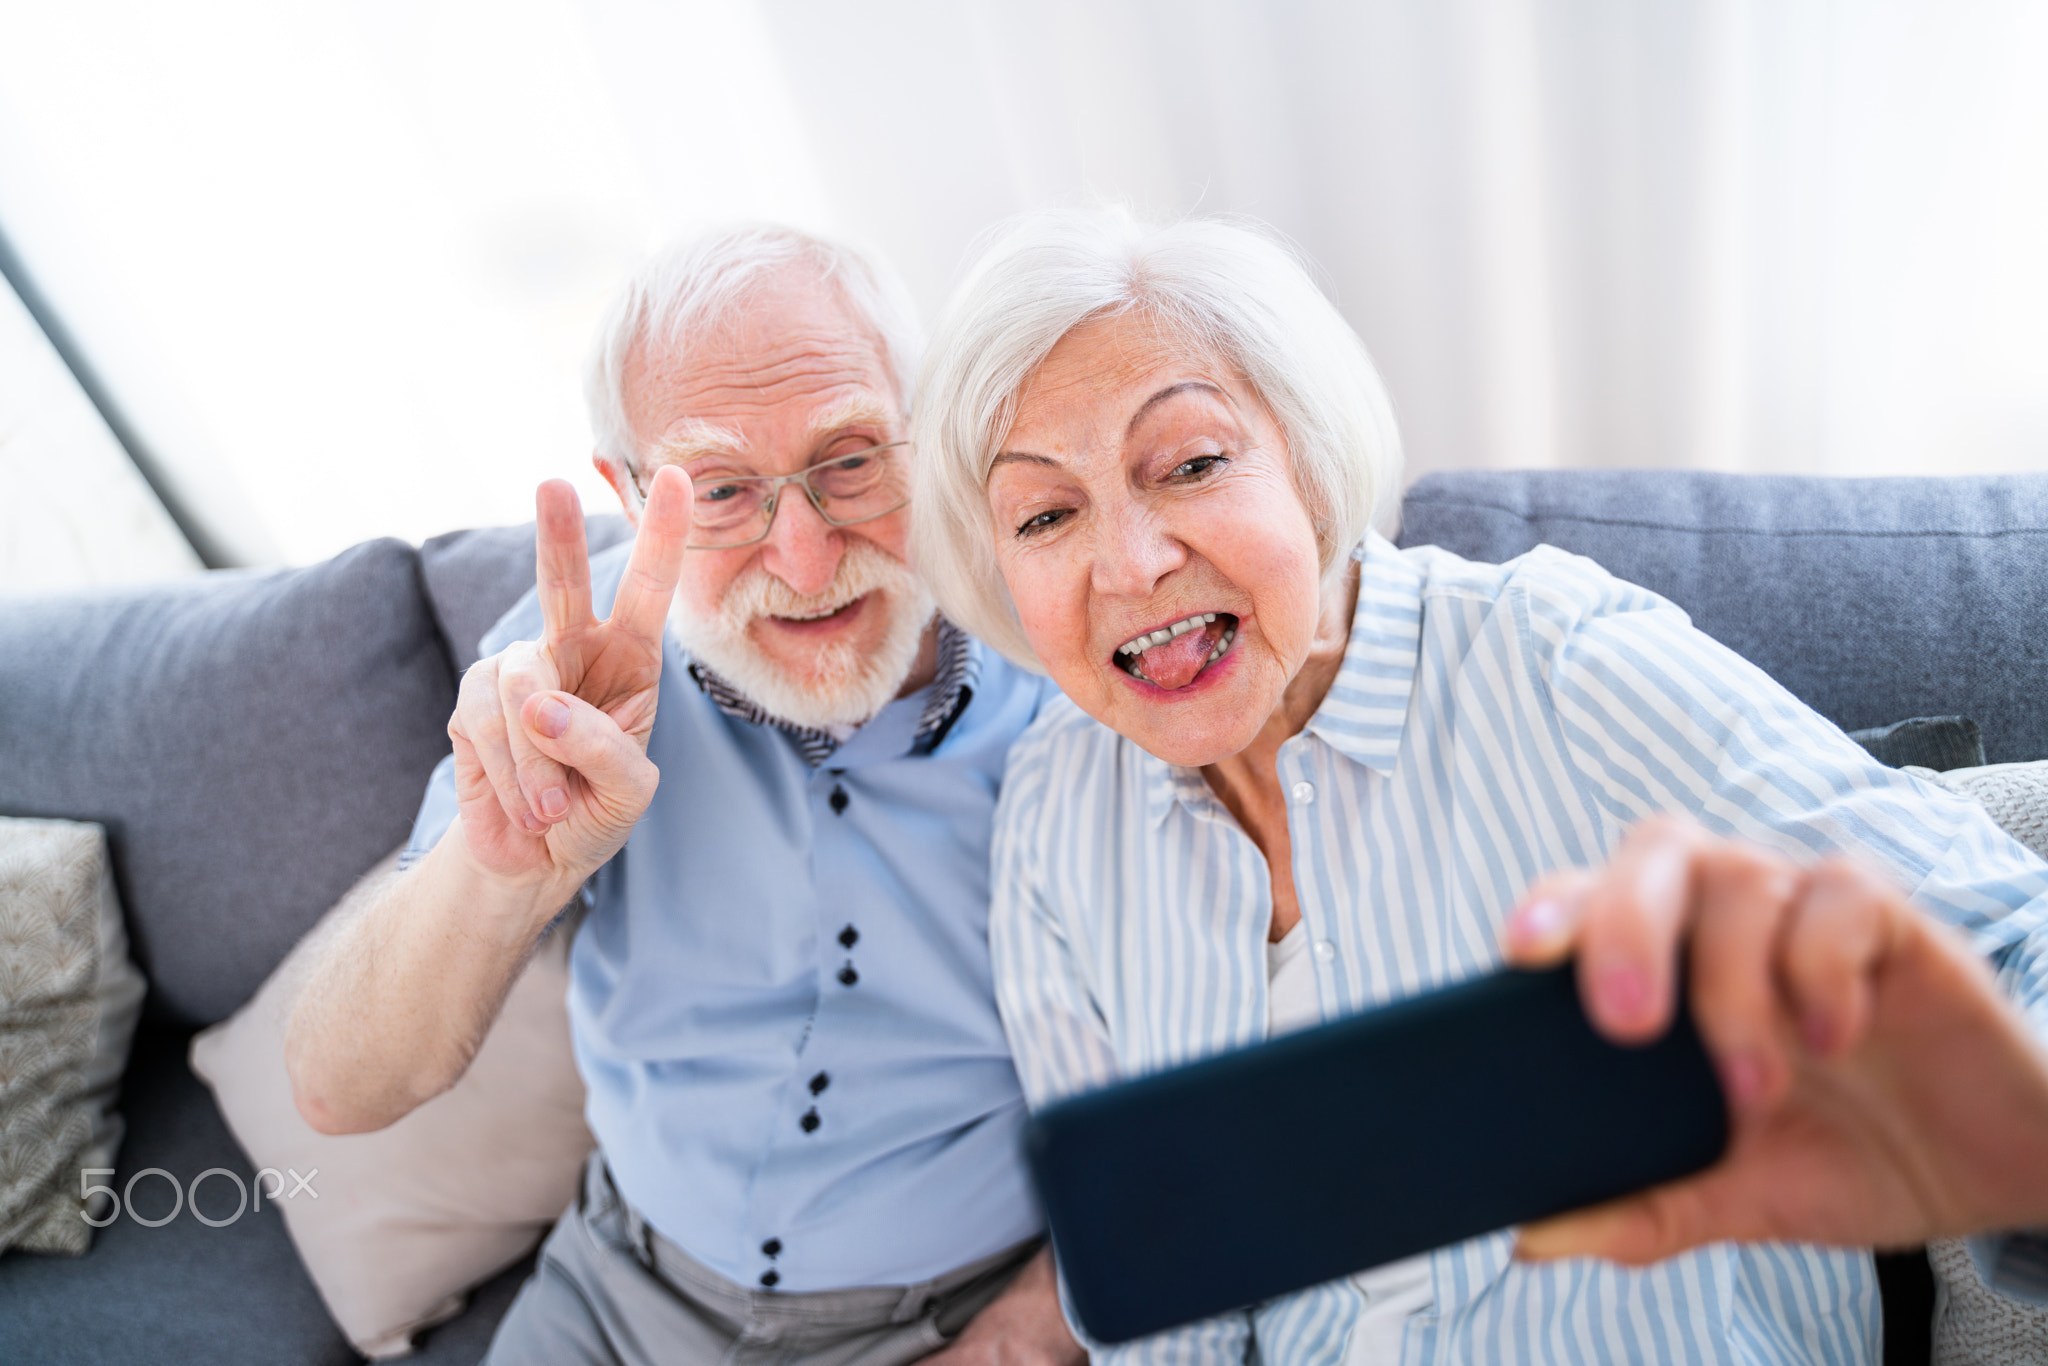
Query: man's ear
[[614, 472]]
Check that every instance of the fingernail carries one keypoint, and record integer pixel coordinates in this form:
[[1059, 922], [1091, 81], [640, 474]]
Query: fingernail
[[534, 825], [1624, 991], [1742, 1074], [551, 718], [553, 803], [1536, 923]]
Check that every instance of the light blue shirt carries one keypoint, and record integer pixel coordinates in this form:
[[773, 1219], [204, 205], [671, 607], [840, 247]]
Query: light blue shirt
[[780, 996], [1489, 723]]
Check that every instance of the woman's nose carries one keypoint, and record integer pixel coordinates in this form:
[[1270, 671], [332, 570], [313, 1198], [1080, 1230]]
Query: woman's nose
[[802, 548], [1138, 552]]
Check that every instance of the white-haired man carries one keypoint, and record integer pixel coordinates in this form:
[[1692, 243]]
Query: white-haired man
[[769, 772]]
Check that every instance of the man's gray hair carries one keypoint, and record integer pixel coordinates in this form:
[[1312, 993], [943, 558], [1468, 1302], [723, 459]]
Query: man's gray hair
[[1225, 288], [704, 283]]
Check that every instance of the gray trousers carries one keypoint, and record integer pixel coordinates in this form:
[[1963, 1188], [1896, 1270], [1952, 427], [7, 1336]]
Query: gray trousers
[[609, 1290]]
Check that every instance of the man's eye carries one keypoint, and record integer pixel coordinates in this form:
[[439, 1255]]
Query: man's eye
[[1198, 468], [718, 493], [1042, 521]]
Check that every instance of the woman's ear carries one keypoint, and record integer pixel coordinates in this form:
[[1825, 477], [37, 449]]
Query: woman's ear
[[615, 474]]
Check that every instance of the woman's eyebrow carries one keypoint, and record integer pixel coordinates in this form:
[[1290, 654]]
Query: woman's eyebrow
[[1185, 386], [1007, 457]]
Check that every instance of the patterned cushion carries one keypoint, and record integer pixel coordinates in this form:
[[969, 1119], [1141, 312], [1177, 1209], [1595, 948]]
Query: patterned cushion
[[1973, 1323], [69, 998]]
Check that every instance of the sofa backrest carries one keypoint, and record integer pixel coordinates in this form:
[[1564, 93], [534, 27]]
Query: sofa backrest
[[252, 742], [473, 577], [1873, 600]]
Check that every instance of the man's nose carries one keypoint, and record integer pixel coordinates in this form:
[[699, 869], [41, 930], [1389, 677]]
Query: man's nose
[[802, 548], [1135, 553]]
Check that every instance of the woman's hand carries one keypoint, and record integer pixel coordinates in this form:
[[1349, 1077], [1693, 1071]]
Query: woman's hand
[[1881, 1090]]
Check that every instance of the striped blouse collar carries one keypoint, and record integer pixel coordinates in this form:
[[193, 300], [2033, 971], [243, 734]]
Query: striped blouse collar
[[952, 690], [1366, 710]]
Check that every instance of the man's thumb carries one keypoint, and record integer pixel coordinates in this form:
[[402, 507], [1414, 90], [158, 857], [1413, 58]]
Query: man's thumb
[[573, 733]]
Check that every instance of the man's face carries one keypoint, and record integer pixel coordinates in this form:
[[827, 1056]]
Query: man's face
[[817, 623]]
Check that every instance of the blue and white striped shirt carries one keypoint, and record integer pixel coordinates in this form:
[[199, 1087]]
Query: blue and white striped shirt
[[1489, 723]]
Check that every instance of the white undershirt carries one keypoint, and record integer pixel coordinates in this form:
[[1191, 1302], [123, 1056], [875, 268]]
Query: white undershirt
[[1398, 1289]]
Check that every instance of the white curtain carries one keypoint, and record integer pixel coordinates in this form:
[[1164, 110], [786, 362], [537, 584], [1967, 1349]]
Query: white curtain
[[338, 260]]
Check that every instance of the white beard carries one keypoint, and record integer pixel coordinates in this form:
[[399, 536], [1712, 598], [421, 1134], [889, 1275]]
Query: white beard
[[843, 688]]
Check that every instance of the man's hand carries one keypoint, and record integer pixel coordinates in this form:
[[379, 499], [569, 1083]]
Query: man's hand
[[551, 767], [1881, 1090], [1022, 1326]]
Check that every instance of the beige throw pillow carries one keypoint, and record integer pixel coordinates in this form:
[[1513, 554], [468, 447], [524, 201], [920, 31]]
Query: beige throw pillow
[[409, 1219], [69, 999]]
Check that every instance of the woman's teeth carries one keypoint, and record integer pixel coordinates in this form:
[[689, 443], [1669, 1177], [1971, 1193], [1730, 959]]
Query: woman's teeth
[[1137, 645], [1179, 670]]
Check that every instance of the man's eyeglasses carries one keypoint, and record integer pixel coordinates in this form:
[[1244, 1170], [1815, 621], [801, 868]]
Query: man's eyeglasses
[[737, 509]]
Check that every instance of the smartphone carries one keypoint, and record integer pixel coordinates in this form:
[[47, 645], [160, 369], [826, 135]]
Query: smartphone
[[1425, 1122]]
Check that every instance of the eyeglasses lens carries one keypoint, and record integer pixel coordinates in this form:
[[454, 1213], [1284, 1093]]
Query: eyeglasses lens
[[853, 488]]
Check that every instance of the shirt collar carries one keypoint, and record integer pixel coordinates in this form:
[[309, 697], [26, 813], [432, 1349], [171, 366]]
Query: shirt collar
[[1366, 710], [952, 689]]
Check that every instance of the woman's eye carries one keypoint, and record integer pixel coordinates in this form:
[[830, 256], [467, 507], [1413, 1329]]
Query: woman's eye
[[1042, 521], [1198, 468]]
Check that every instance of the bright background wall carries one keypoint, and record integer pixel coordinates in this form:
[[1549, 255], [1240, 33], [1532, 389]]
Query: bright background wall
[[335, 261]]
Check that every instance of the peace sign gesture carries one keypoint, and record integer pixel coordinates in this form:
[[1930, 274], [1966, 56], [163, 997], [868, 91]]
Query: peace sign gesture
[[551, 767]]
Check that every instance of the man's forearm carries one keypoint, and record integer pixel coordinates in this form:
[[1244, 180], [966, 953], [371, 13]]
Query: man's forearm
[[397, 996]]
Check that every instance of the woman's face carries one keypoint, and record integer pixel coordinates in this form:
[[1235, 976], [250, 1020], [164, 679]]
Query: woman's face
[[1145, 490]]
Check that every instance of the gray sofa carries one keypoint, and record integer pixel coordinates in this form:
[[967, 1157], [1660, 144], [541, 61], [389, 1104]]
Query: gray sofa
[[254, 742]]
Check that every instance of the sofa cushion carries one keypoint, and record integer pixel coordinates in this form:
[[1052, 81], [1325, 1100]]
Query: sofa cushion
[[474, 577], [182, 1291], [251, 742], [186, 1291], [1933, 742], [445, 1198], [1871, 599]]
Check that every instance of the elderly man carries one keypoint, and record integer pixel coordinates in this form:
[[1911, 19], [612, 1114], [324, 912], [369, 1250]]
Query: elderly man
[[767, 771]]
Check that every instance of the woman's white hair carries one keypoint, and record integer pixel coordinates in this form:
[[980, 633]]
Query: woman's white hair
[[1222, 287], [704, 283]]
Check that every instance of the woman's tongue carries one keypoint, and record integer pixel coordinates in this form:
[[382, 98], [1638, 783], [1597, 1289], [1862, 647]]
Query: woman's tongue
[[1175, 664]]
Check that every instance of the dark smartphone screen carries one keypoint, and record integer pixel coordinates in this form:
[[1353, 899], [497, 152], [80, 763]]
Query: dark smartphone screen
[[1434, 1119]]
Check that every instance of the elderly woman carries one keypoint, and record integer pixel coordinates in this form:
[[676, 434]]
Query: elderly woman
[[1299, 772]]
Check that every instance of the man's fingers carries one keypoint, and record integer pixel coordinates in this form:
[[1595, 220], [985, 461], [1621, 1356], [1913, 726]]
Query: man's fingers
[[562, 558], [479, 723], [649, 585], [525, 669], [1630, 927], [614, 770], [1840, 931], [1743, 901]]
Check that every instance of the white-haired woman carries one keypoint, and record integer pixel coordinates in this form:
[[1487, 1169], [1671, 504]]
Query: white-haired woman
[[1303, 772]]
